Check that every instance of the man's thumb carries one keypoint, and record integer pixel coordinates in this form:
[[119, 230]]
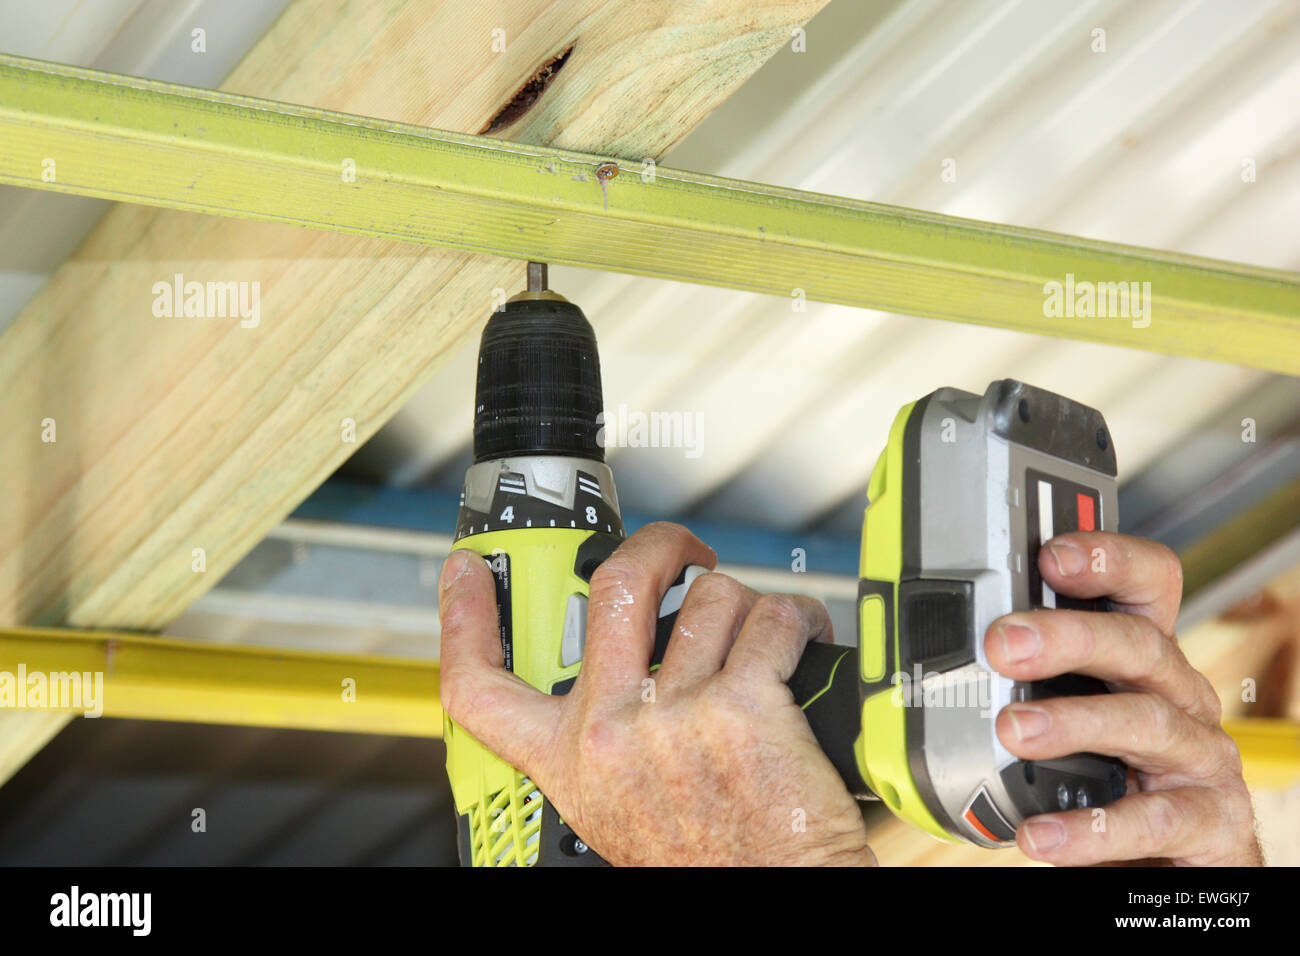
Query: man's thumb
[[503, 712]]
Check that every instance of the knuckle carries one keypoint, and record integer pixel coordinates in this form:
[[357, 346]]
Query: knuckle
[[1229, 756], [1208, 758], [1173, 567], [1155, 652], [1160, 822], [667, 534], [782, 610], [1203, 689], [600, 745], [666, 528], [1196, 693], [614, 579], [719, 588], [732, 695], [1158, 715], [1193, 748], [1213, 705]]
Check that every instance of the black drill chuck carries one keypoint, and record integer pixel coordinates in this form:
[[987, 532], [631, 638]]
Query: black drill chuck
[[538, 390]]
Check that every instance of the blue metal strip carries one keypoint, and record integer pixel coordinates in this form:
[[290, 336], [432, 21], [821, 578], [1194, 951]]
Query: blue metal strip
[[434, 511]]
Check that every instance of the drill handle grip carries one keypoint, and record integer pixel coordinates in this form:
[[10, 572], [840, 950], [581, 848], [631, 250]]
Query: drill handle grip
[[825, 686]]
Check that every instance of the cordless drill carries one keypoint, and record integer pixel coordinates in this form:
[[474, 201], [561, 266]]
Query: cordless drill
[[539, 504]]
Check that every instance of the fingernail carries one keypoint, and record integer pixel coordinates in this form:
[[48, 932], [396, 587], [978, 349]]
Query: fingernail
[[1019, 642], [457, 563], [1028, 722], [1069, 557], [1045, 834]]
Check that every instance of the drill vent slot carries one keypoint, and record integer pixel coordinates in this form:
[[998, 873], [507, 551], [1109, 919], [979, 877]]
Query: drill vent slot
[[506, 829]]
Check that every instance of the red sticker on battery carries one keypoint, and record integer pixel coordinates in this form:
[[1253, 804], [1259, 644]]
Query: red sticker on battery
[[1087, 518]]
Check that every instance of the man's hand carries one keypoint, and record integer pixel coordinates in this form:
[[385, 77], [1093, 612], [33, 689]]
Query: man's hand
[[708, 761], [1187, 803]]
